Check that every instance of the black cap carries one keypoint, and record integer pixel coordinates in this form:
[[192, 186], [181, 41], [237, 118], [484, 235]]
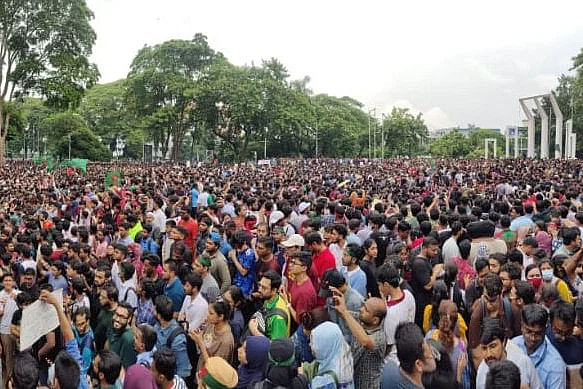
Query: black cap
[[331, 277]]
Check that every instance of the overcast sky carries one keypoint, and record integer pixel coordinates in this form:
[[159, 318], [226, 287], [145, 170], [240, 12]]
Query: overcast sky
[[457, 62]]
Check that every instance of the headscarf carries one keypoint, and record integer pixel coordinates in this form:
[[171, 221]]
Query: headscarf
[[139, 377], [332, 352], [256, 348]]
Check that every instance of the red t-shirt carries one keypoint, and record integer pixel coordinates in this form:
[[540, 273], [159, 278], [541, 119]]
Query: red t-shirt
[[263, 267], [192, 227], [320, 263], [303, 297]]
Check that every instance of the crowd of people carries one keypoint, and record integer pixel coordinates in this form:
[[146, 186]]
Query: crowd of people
[[329, 273]]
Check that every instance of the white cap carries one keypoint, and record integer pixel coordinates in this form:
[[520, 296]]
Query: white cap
[[275, 217], [303, 206], [296, 240]]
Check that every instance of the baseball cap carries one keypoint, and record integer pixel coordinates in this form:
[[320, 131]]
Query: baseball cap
[[303, 206], [275, 217], [296, 240]]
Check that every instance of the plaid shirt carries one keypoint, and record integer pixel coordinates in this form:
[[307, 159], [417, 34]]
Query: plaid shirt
[[368, 365], [145, 312]]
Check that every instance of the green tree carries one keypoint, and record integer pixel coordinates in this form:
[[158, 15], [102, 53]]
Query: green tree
[[44, 49], [161, 88], [453, 144], [84, 143], [405, 133]]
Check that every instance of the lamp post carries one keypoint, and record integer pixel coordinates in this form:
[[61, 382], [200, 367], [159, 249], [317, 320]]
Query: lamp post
[[374, 110], [384, 117], [69, 147], [265, 145]]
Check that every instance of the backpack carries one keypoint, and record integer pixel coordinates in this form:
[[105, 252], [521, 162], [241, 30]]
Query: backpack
[[482, 251], [175, 332], [263, 317], [507, 312]]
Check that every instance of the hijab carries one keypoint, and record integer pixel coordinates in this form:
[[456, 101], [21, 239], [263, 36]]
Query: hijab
[[332, 352], [139, 377], [256, 349]]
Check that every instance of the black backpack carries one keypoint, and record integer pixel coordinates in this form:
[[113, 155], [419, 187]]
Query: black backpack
[[175, 332]]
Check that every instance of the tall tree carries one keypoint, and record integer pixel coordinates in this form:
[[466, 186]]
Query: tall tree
[[161, 87], [405, 133], [44, 49]]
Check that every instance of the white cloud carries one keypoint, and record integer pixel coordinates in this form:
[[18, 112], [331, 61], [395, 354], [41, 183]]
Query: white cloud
[[486, 73], [434, 117], [546, 81]]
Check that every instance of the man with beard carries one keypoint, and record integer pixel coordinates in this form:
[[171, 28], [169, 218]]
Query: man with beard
[[101, 279], [278, 318], [151, 263], [548, 362], [219, 267], [495, 348], [28, 283], [369, 340], [108, 301], [120, 338]]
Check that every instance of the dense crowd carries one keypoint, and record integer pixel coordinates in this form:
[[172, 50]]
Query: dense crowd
[[408, 273]]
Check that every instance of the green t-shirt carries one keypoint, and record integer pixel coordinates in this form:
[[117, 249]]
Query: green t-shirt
[[277, 326]]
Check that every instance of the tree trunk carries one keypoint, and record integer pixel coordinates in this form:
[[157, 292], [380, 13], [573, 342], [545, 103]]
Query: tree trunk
[[3, 132]]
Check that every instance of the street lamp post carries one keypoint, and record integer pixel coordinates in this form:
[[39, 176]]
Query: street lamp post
[[384, 117], [374, 110], [265, 145], [69, 147]]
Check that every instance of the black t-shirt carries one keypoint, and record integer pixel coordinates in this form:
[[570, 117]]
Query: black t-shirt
[[420, 275]]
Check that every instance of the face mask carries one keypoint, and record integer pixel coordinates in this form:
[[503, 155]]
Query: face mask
[[535, 282], [547, 274]]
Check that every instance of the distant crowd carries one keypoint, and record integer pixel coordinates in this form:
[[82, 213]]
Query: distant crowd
[[321, 274]]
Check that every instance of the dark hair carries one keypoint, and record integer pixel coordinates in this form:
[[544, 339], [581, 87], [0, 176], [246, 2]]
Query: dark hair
[[570, 235], [390, 274], [152, 258], [534, 315], [525, 291], [128, 270], [222, 308], [194, 279], [440, 292], [149, 336], [266, 241], [112, 292], [313, 237], [171, 266], [493, 284], [340, 229], [148, 287], [165, 362], [121, 247], [105, 269], [81, 311], [59, 265], [492, 329], [503, 375], [563, 311], [109, 365], [480, 264], [67, 371], [304, 257], [236, 294], [430, 241], [512, 269], [409, 341], [25, 373], [315, 317], [274, 278], [164, 307]]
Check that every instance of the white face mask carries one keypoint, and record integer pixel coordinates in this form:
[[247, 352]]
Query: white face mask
[[547, 274]]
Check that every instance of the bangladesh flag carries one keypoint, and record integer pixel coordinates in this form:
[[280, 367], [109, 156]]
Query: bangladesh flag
[[76, 163], [48, 160], [113, 178]]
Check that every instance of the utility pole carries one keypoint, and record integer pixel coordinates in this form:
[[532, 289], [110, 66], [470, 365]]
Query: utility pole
[[69, 147], [384, 117], [374, 111], [265, 145]]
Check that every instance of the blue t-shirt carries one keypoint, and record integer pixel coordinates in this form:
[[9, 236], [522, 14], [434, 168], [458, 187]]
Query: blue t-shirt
[[393, 378], [59, 283], [571, 350], [175, 292], [193, 198], [245, 282]]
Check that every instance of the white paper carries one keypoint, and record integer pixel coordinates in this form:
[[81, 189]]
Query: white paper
[[38, 319]]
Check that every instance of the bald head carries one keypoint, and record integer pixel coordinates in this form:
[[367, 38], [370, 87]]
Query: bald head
[[373, 312]]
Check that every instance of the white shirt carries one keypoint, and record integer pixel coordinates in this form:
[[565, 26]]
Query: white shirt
[[195, 311], [84, 302], [9, 308], [159, 220], [338, 253], [403, 312], [450, 249], [127, 295], [528, 375]]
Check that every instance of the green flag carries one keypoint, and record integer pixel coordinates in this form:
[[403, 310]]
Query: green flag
[[76, 163], [49, 161], [113, 178]]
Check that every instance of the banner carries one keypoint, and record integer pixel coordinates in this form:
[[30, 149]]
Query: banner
[[113, 178]]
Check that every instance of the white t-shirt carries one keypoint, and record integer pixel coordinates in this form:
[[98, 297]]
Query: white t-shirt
[[9, 308], [403, 312], [528, 375], [195, 311]]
